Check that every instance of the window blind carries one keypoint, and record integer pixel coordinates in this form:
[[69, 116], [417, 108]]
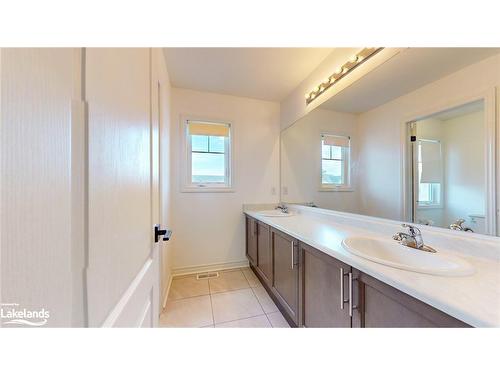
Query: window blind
[[206, 128]]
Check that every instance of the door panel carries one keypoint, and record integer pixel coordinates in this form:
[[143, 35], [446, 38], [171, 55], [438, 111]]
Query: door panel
[[322, 297], [265, 259], [286, 274], [120, 183], [36, 184]]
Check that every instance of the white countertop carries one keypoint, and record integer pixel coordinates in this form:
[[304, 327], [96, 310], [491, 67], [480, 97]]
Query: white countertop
[[473, 299]]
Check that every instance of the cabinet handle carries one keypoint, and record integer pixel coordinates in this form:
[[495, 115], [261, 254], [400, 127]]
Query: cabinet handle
[[293, 254], [343, 301], [351, 305], [255, 228]]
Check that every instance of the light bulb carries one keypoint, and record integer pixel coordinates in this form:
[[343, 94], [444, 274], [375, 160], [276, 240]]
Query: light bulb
[[354, 59]]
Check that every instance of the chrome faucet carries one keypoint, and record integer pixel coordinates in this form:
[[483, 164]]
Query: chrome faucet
[[282, 207], [412, 239], [457, 225]]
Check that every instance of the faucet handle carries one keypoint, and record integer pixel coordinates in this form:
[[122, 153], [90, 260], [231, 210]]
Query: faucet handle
[[414, 231]]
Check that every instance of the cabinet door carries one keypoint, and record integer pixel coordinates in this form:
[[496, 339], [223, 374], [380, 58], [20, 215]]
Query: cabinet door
[[384, 306], [286, 273], [251, 239], [264, 255], [324, 289]]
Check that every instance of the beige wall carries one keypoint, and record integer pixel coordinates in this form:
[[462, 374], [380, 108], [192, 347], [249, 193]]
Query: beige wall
[[465, 167], [209, 227], [462, 142]]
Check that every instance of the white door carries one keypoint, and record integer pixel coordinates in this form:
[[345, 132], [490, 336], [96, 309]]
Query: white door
[[122, 273], [36, 184]]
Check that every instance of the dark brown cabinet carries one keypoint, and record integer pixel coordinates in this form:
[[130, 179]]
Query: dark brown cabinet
[[251, 240], [286, 273], [324, 290], [264, 253], [382, 306], [313, 289]]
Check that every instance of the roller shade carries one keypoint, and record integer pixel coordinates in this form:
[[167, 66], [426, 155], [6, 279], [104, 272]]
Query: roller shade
[[432, 169], [335, 140], [205, 128]]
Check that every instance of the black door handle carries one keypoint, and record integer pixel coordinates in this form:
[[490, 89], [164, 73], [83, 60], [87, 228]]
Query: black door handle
[[165, 233]]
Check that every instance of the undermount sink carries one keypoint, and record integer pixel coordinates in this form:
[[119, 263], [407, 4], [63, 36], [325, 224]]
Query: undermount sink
[[274, 213], [393, 254]]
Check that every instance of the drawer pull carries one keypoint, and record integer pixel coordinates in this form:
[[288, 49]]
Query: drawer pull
[[351, 305], [343, 301]]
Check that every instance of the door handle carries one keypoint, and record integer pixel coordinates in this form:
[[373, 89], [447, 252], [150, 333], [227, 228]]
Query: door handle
[[165, 233]]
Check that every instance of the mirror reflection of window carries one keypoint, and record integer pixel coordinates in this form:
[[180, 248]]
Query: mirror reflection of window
[[430, 173], [334, 161]]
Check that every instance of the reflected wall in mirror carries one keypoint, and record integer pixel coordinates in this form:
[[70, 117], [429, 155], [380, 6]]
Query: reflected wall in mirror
[[448, 169], [354, 153]]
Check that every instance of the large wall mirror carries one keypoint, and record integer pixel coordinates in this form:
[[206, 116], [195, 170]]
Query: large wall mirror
[[421, 151]]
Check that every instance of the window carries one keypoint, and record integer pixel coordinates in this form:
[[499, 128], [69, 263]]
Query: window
[[335, 156], [208, 155], [429, 173]]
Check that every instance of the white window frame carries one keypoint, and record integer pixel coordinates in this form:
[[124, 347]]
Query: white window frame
[[187, 186], [426, 204], [346, 156]]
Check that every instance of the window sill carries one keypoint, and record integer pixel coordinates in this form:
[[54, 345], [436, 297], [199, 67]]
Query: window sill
[[336, 188], [208, 189], [430, 207]]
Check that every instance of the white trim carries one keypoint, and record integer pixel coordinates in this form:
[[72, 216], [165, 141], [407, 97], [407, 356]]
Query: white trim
[[166, 291], [122, 303], [346, 158], [207, 189], [181, 271], [185, 167], [338, 188]]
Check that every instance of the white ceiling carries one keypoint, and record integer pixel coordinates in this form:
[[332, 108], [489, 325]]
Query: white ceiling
[[405, 72], [261, 73]]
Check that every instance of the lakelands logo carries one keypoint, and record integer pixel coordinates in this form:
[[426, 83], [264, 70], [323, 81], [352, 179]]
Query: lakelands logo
[[13, 314]]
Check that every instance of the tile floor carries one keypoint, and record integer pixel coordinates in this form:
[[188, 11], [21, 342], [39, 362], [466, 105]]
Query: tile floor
[[236, 299]]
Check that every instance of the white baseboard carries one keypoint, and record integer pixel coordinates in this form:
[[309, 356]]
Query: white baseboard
[[166, 291], [181, 271]]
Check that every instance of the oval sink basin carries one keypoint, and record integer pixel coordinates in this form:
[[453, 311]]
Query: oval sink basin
[[274, 213], [393, 254]]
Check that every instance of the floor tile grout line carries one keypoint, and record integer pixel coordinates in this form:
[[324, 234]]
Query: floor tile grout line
[[277, 312], [230, 290], [269, 320], [211, 303], [257, 298], [235, 320]]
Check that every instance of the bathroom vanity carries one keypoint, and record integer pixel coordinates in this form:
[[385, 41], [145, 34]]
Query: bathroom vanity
[[315, 282]]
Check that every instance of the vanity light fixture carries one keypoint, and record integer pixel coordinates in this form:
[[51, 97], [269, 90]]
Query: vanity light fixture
[[342, 71]]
